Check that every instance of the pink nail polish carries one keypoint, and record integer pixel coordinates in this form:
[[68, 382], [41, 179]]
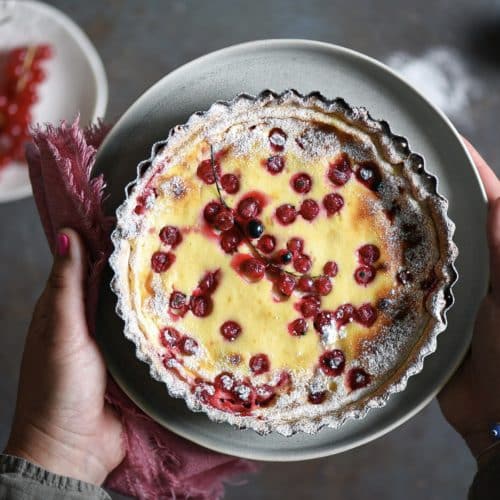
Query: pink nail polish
[[62, 245]]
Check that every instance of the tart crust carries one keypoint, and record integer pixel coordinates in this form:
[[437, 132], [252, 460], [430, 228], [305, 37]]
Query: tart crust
[[416, 267]]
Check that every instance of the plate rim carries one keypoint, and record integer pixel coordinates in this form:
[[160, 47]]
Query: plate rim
[[288, 43], [306, 43], [98, 71]]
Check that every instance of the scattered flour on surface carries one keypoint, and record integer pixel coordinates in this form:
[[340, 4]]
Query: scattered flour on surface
[[442, 76]]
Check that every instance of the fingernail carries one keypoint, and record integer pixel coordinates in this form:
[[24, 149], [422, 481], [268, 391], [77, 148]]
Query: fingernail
[[62, 245]]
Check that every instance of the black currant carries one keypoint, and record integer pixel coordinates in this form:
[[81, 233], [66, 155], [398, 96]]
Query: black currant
[[255, 228], [286, 258]]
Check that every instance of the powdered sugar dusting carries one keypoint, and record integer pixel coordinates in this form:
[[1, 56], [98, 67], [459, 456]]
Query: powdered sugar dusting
[[222, 126], [158, 303], [190, 345], [317, 142], [330, 334], [303, 139], [243, 392], [227, 382], [318, 384], [174, 187], [380, 355], [149, 201], [173, 363]]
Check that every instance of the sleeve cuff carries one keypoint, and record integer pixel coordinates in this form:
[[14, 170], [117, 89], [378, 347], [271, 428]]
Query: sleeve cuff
[[10, 464]]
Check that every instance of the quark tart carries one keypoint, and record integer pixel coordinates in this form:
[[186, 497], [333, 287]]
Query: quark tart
[[283, 262]]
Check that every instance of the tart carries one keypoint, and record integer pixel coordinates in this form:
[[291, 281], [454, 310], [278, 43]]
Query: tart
[[283, 262]]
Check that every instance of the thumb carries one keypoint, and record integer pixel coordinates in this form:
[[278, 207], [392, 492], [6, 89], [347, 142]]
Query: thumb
[[494, 244], [64, 292]]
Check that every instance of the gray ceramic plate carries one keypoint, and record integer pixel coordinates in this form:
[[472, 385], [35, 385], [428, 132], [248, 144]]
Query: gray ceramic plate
[[334, 71]]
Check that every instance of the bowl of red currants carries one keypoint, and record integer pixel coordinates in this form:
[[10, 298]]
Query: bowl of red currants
[[49, 71]]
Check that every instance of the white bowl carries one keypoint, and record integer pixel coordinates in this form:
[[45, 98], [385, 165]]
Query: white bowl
[[76, 81]]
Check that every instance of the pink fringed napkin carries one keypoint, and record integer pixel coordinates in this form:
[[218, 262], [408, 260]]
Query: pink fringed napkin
[[158, 464]]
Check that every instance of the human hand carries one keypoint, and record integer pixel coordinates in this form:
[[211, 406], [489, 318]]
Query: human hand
[[62, 421], [470, 400]]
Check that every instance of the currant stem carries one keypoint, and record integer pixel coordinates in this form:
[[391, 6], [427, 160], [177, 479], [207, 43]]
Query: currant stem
[[214, 171], [27, 62]]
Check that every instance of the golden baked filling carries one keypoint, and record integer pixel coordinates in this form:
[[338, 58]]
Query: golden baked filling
[[283, 262]]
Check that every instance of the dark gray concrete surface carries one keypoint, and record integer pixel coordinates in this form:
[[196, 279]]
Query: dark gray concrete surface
[[140, 41]]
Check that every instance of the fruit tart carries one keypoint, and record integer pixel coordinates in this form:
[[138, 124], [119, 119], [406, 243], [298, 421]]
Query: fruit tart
[[283, 262]]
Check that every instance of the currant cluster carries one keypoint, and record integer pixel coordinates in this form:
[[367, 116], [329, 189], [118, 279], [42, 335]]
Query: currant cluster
[[241, 397], [22, 74]]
